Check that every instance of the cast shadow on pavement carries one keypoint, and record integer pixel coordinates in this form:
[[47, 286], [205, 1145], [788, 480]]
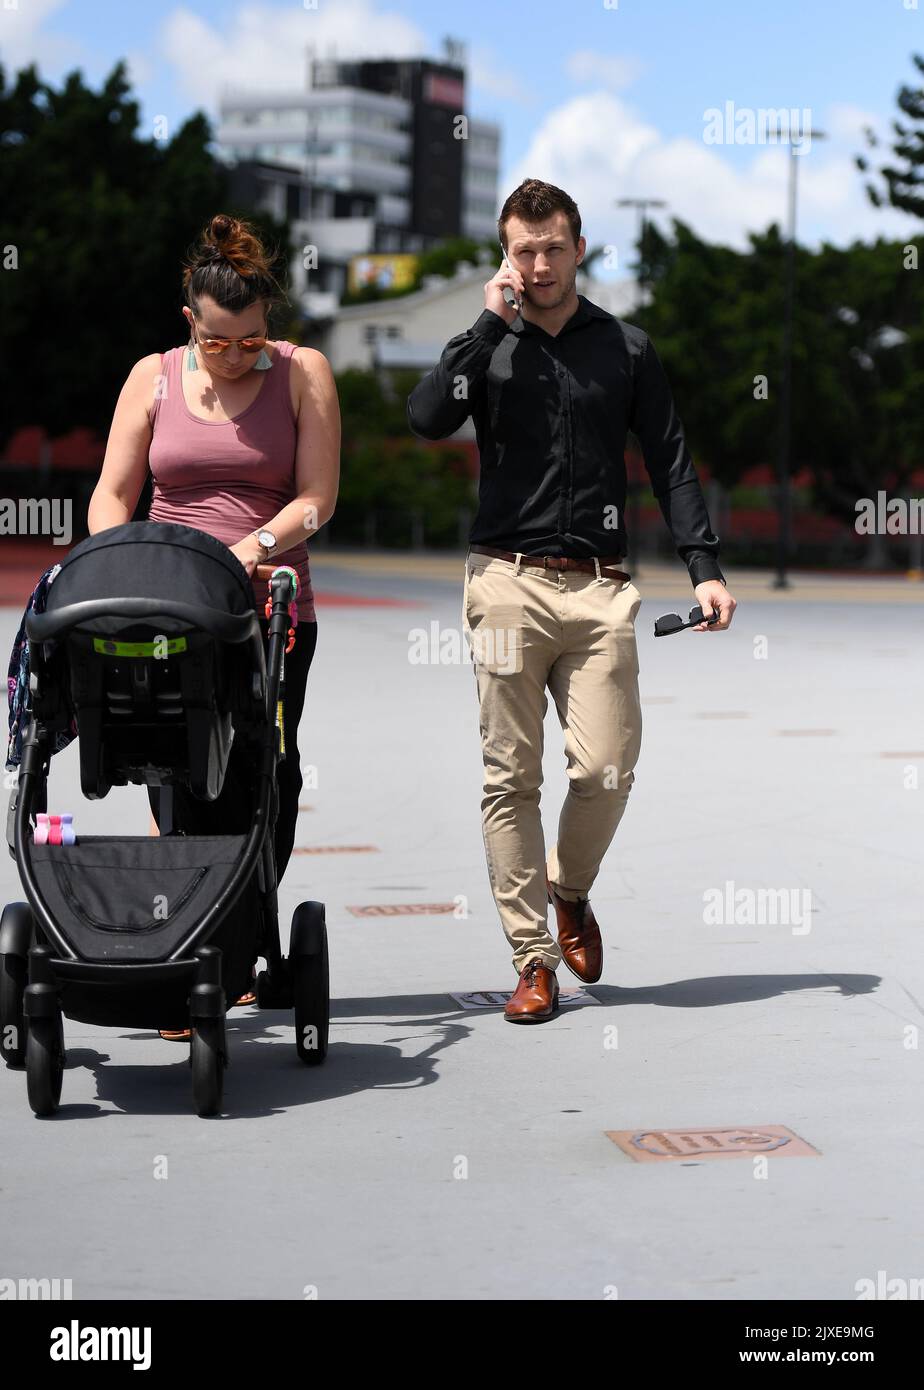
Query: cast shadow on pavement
[[265, 1076], [713, 990], [707, 992]]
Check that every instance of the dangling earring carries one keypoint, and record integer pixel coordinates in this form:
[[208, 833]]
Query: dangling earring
[[191, 364], [263, 362]]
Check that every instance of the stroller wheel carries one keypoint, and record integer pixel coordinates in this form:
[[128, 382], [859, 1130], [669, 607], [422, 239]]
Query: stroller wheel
[[207, 1058], [13, 973], [15, 940], [309, 970], [44, 1063]]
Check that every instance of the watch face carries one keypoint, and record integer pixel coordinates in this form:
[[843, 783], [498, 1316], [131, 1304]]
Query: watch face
[[267, 539]]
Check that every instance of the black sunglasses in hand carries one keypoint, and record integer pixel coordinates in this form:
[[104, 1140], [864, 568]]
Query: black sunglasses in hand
[[672, 622]]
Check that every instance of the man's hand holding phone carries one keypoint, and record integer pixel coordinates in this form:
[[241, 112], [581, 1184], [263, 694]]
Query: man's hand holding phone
[[509, 279]]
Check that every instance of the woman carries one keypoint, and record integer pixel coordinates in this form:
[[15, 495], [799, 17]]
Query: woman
[[242, 437]]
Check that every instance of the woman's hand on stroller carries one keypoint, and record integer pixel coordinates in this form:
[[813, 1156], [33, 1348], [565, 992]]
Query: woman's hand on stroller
[[250, 553]]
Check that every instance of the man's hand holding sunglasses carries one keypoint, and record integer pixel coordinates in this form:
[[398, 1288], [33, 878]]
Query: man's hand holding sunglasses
[[713, 597]]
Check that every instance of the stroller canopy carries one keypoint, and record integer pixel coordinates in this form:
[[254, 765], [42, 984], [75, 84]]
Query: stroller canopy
[[151, 560]]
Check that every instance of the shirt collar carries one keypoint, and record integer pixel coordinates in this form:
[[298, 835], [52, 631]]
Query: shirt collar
[[582, 314]]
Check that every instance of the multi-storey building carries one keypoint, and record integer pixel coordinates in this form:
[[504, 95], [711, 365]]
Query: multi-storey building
[[373, 156]]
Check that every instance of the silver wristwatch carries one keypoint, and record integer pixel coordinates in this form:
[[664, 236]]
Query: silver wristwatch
[[267, 540]]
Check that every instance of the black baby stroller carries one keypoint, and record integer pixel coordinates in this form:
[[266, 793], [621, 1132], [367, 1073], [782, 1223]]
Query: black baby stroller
[[150, 641]]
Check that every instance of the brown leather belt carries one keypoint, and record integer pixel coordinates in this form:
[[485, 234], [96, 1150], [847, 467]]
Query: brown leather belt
[[558, 562]]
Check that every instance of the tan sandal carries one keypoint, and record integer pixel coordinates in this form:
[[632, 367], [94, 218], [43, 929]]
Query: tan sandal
[[184, 1034], [250, 997]]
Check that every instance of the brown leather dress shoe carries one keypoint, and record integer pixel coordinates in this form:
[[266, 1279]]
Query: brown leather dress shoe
[[578, 937], [535, 997]]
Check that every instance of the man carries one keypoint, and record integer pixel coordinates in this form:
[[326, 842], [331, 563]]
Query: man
[[552, 390]]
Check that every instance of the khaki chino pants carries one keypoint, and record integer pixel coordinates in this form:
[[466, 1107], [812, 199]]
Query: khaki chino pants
[[572, 633]]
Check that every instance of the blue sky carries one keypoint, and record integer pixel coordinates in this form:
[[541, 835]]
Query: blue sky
[[608, 102]]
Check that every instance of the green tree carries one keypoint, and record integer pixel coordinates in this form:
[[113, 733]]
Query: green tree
[[715, 321], [387, 478], [904, 181], [443, 258], [101, 218], [858, 358], [857, 420]]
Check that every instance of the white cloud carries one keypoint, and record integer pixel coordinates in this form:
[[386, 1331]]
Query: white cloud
[[599, 149], [264, 47], [23, 39], [585, 65], [261, 46]]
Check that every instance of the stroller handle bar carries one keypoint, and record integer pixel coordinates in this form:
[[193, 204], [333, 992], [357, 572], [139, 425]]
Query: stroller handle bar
[[227, 627]]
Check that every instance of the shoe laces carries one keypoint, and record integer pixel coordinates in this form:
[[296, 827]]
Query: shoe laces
[[529, 972]]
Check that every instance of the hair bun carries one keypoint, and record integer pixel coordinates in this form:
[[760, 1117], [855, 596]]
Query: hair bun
[[231, 246], [221, 227]]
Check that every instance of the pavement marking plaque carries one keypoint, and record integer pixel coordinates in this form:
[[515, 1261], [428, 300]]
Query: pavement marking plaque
[[401, 909], [494, 998], [669, 1145]]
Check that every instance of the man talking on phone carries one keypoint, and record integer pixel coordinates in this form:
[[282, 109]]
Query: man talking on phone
[[553, 383]]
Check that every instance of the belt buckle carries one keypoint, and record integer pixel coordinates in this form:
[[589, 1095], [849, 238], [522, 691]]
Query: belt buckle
[[552, 562]]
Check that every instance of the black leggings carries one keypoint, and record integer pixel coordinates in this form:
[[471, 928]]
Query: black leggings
[[232, 813]]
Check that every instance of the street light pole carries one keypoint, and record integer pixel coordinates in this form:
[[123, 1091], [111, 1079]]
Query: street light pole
[[641, 204], [784, 456]]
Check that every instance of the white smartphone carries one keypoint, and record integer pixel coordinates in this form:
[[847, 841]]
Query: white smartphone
[[510, 296]]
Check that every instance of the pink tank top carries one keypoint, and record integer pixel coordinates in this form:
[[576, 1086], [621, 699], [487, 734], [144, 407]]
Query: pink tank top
[[229, 477]]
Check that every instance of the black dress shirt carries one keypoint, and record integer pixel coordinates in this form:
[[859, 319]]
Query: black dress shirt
[[551, 413]]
